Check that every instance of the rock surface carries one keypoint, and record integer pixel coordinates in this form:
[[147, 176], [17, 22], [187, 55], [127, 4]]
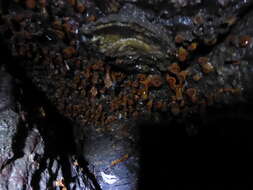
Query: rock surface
[[109, 69], [25, 160]]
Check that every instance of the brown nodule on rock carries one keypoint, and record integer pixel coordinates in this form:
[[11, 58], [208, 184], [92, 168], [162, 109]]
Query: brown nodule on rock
[[207, 67], [69, 51], [30, 4], [182, 54], [245, 41], [179, 39], [174, 68]]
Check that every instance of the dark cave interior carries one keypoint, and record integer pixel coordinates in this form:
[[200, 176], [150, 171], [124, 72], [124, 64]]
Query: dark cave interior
[[209, 151]]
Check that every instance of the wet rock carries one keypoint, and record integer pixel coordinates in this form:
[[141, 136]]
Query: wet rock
[[105, 66], [130, 37], [29, 170], [18, 173], [112, 156], [8, 123], [25, 159]]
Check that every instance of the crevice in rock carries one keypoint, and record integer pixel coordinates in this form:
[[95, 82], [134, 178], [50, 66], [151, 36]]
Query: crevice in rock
[[56, 131], [18, 144]]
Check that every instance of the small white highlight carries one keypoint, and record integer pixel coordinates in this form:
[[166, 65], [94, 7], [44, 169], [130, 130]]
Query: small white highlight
[[110, 179]]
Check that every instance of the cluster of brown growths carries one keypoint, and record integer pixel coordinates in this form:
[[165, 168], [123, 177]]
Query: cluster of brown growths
[[81, 76]]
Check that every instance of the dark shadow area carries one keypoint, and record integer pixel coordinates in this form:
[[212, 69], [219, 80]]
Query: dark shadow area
[[56, 130], [220, 153]]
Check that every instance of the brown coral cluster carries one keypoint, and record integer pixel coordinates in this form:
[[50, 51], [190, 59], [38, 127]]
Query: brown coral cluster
[[89, 89]]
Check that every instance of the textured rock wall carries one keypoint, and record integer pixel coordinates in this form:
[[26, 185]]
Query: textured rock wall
[[105, 66]]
